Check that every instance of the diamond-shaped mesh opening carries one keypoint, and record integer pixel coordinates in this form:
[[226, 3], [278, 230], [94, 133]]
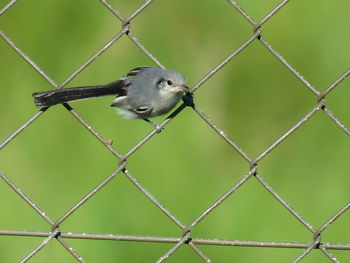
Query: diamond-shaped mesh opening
[[323, 31], [226, 99], [226, 223], [311, 174], [103, 189], [64, 36]]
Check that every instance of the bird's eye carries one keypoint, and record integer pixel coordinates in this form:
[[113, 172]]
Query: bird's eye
[[169, 82]]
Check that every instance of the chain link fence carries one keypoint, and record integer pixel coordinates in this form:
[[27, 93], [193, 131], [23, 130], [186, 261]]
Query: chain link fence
[[252, 162]]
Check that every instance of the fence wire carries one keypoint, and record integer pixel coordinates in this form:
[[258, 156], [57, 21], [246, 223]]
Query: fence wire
[[253, 162]]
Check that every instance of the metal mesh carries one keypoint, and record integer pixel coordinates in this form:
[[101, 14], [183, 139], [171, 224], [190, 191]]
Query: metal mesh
[[253, 162]]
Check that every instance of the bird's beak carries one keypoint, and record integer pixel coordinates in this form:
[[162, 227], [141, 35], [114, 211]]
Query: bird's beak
[[185, 88]]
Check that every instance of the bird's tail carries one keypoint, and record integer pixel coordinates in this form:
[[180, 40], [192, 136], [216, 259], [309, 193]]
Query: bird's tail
[[52, 97]]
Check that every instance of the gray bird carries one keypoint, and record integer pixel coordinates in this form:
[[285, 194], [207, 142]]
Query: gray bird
[[142, 93]]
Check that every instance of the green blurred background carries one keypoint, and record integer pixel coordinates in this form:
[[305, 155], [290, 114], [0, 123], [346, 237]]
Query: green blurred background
[[254, 99]]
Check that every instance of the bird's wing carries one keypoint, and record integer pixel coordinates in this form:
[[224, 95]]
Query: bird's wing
[[143, 109], [135, 71]]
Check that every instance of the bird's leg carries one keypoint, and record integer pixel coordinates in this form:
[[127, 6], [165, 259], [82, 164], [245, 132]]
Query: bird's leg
[[155, 125]]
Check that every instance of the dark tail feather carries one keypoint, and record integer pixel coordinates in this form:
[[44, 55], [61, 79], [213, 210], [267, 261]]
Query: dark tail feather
[[52, 97]]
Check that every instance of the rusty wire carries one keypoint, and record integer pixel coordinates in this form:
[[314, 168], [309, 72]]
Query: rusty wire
[[253, 163]]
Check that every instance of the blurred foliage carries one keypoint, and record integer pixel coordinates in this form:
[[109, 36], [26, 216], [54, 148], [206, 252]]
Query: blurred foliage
[[254, 99]]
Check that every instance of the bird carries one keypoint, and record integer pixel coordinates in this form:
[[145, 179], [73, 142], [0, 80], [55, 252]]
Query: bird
[[142, 93]]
